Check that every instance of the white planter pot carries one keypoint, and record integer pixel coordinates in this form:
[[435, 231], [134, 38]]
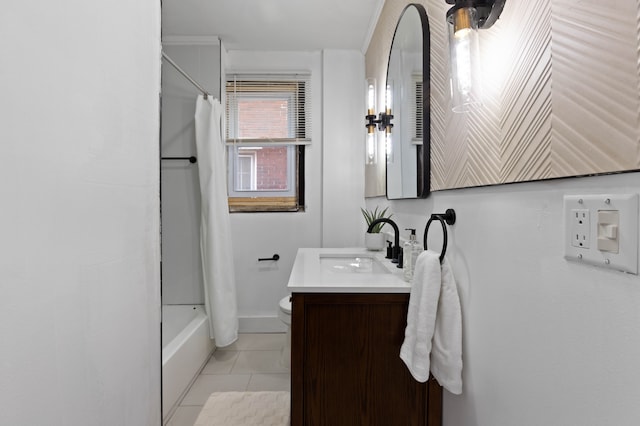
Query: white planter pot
[[374, 242]]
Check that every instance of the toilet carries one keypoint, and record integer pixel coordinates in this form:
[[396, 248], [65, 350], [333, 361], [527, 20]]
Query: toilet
[[284, 313]]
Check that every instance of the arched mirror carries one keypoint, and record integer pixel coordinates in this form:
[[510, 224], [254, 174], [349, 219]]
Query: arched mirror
[[407, 95]]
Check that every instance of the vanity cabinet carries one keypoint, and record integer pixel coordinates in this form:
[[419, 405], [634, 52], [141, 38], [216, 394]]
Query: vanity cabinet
[[345, 364]]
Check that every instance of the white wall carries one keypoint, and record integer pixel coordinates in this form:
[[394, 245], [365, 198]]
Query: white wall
[[181, 264], [545, 341], [259, 235], [333, 183], [79, 258], [343, 103]]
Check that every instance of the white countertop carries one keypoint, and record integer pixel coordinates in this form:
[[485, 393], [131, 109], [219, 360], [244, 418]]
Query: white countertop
[[345, 270]]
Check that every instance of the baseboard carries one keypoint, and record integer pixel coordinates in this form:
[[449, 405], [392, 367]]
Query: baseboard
[[261, 325]]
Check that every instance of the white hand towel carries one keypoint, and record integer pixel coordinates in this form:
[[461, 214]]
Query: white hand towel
[[433, 336], [421, 317], [446, 353]]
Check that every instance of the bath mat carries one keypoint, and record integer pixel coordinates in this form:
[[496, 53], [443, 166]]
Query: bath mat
[[245, 409]]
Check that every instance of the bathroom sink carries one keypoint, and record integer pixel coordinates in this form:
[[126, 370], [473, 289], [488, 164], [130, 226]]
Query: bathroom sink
[[345, 270], [351, 263]]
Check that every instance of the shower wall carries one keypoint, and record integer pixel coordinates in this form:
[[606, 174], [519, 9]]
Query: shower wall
[[181, 267]]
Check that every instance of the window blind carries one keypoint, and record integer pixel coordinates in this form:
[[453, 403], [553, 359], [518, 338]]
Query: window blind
[[273, 109], [416, 112]]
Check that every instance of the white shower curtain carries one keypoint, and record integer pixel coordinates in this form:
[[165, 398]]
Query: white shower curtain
[[215, 226]]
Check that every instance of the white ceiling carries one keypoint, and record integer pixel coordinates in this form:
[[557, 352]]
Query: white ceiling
[[274, 24]]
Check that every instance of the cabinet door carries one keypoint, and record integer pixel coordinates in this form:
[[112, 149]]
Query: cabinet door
[[346, 368]]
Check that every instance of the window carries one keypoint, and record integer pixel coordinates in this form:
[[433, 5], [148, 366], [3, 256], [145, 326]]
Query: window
[[268, 126]]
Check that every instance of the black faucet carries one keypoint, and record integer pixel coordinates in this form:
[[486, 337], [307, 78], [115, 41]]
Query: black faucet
[[396, 239]]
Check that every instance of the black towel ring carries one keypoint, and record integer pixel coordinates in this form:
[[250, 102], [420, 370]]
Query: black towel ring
[[448, 218]]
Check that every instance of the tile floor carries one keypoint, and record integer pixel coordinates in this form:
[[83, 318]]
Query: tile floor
[[252, 363]]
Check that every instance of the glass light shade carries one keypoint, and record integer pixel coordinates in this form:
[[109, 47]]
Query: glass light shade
[[371, 142], [371, 150], [464, 61], [389, 98], [388, 141], [371, 96]]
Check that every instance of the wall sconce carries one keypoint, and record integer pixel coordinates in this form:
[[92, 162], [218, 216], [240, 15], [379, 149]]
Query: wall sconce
[[465, 18], [382, 122]]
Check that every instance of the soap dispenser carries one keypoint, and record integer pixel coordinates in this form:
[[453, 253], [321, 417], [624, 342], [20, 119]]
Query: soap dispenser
[[411, 251]]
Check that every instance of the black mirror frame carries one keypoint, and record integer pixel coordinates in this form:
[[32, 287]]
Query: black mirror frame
[[423, 151]]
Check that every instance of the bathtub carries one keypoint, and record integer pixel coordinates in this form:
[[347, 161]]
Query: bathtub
[[186, 347]]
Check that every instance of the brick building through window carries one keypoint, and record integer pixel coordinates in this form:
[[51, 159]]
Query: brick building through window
[[263, 119], [268, 125]]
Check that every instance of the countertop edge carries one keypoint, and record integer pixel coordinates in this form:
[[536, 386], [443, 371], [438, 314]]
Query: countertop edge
[[393, 284]]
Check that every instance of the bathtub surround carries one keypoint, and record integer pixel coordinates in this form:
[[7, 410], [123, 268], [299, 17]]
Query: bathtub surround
[[215, 228], [189, 345], [186, 347]]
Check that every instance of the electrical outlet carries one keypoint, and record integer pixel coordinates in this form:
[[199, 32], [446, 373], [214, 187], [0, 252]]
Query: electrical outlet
[[602, 230], [580, 228]]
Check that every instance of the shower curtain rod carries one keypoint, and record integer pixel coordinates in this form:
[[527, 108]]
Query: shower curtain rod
[[187, 76]]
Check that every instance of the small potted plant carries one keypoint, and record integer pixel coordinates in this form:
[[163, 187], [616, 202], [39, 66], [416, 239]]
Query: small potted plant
[[374, 240]]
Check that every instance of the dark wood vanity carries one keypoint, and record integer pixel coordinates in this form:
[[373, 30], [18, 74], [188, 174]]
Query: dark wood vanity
[[345, 364]]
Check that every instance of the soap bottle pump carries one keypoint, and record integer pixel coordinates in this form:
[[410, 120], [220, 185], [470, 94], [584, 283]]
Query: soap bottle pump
[[411, 251]]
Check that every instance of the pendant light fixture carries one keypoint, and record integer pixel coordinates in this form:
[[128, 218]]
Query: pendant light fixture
[[465, 18]]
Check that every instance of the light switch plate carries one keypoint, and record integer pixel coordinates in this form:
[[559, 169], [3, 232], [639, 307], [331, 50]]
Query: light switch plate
[[608, 235], [589, 206]]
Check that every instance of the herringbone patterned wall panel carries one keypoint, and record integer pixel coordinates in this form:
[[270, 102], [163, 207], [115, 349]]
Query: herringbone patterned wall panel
[[561, 93], [525, 98], [595, 125]]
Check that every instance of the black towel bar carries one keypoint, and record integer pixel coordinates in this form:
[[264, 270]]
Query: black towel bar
[[191, 159], [274, 257], [447, 218]]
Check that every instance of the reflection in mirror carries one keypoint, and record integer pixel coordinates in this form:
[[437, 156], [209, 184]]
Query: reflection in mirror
[[408, 81]]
